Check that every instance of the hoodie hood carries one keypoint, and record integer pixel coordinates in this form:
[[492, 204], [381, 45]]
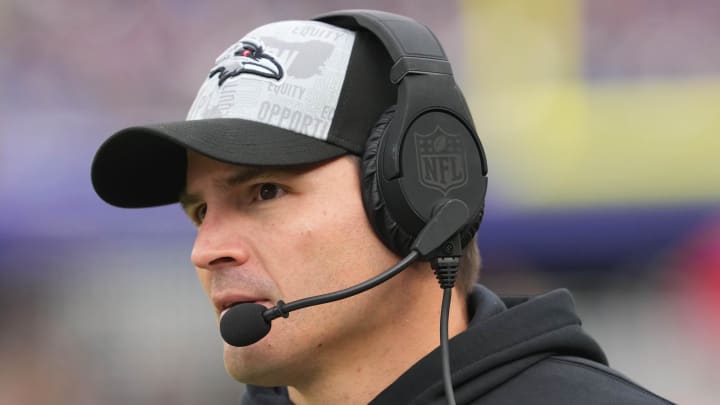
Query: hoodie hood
[[504, 337]]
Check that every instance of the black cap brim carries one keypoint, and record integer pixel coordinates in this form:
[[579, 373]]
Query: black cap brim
[[146, 166]]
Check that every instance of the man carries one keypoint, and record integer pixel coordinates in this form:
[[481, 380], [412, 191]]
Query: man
[[272, 166]]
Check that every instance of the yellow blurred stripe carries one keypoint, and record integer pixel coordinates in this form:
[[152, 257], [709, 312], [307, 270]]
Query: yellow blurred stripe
[[554, 140]]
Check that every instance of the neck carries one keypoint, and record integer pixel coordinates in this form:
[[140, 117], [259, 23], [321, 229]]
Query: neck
[[356, 372]]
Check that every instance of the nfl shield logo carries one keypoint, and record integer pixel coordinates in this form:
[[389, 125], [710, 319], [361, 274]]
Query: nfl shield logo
[[441, 160]]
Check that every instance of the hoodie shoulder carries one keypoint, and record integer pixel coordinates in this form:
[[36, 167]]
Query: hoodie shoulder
[[571, 380]]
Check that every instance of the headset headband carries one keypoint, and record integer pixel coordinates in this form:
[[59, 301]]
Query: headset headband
[[413, 48]]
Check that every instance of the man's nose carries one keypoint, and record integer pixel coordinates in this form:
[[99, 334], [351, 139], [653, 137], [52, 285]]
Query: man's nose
[[219, 243]]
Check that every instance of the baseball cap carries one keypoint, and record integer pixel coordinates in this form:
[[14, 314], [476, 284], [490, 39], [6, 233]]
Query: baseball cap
[[288, 93]]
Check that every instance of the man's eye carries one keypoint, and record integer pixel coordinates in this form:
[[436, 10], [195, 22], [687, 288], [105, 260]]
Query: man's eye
[[200, 212], [269, 191]]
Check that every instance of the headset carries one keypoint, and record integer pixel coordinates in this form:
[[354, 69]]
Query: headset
[[423, 151]]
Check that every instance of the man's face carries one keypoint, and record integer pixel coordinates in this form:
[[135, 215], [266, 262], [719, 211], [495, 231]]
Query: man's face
[[269, 234]]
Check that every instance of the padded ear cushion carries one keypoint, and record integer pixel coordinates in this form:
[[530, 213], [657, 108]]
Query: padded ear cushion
[[385, 226], [381, 219]]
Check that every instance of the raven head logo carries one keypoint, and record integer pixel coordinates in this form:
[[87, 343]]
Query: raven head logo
[[246, 57]]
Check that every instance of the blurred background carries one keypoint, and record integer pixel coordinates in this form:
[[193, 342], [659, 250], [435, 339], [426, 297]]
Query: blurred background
[[600, 119]]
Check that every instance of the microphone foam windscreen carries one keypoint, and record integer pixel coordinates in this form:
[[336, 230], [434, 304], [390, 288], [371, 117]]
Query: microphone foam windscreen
[[244, 324]]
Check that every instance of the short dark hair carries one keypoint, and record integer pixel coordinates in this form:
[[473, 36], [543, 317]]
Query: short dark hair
[[469, 268]]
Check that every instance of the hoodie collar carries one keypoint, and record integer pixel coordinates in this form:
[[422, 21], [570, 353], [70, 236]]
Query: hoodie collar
[[504, 337]]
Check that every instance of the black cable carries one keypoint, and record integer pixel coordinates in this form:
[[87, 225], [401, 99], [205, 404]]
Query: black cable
[[445, 265], [282, 309], [444, 345]]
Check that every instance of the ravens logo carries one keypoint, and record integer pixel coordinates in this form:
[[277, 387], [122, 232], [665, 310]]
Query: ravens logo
[[246, 57]]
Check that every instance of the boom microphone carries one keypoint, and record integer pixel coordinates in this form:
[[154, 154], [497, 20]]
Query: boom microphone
[[247, 323], [244, 324]]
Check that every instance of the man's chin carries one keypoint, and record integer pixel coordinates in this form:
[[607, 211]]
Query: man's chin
[[235, 364], [245, 365]]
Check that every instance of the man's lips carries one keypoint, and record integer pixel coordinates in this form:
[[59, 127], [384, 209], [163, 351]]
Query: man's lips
[[222, 313], [223, 302]]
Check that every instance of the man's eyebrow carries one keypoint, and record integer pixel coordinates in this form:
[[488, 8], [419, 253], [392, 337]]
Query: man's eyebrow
[[245, 174], [237, 177]]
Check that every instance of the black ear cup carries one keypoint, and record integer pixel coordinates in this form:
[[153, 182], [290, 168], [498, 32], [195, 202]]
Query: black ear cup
[[379, 215], [389, 219], [427, 156]]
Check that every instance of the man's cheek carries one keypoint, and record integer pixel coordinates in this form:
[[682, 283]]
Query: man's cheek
[[204, 277]]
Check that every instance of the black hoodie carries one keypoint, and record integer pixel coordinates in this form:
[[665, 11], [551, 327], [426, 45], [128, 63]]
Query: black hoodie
[[515, 351]]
